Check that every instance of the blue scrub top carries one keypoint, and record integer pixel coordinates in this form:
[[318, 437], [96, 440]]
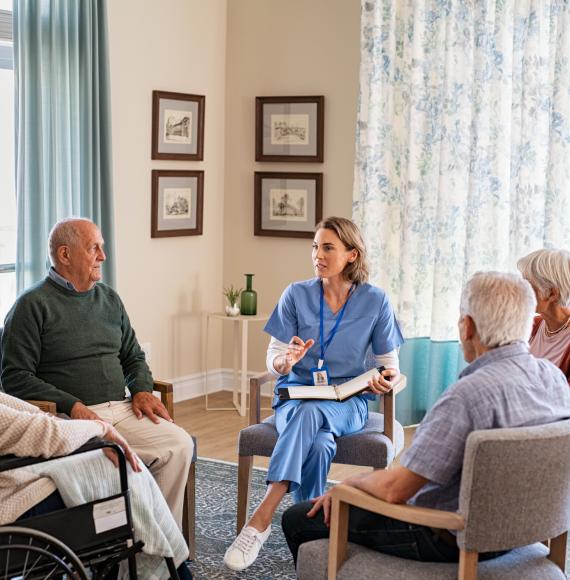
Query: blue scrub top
[[368, 321]]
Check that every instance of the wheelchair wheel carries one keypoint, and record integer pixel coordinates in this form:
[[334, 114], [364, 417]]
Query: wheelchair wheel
[[30, 554]]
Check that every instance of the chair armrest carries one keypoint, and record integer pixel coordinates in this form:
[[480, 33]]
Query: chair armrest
[[390, 405], [166, 391], [344, 495], [255, 384], [8, 462], [406, 513], [45, 406]]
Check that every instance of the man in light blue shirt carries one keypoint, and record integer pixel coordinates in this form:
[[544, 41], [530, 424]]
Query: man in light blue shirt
[[504, 386]]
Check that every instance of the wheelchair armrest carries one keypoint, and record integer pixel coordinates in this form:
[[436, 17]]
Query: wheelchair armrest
[[8, 462]]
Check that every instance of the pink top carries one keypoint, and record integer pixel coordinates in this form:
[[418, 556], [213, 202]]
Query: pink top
[[554, 347]]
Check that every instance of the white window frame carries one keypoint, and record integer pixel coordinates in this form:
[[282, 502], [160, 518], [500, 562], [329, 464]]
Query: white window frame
[[7, 62]]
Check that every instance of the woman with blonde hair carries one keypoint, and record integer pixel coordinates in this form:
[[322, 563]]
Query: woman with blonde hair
[[321, 331], [548, 272]]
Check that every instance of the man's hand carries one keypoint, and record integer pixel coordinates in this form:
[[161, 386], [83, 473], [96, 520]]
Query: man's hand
[[147, 404], [111, 434], [322, 502], [80, 411], [379, 385]]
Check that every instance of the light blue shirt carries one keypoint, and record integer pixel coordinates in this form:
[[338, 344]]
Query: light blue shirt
[[58, 279], [505, 387], [368, 323]]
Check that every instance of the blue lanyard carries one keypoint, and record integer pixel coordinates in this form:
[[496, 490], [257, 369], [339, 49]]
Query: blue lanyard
[[325, 345]]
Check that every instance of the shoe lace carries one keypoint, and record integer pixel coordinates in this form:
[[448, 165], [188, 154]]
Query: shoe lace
[[245, 540]]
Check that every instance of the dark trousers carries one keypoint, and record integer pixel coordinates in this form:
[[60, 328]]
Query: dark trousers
[[54, 502], [376, 532]]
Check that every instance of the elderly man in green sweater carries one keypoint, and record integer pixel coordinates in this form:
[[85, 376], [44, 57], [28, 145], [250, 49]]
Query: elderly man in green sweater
[[68, 339]]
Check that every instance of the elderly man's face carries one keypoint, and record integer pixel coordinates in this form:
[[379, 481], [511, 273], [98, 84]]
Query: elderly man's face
[[86, 257], [465, 336]]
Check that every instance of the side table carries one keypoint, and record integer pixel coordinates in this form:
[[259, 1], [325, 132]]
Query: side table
[[239, 395]]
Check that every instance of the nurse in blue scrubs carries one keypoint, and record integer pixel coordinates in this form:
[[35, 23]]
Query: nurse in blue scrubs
[[321, 330]]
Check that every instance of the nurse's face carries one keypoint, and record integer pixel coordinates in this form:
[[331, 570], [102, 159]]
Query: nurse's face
[[330, 256]]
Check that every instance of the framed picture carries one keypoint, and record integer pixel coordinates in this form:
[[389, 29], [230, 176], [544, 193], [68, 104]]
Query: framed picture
[[289, 129], [287, 205], [177, 203], [178, 126]]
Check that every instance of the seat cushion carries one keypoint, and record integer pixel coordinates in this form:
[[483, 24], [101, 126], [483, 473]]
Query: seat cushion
[[368, 447], [527, 563]]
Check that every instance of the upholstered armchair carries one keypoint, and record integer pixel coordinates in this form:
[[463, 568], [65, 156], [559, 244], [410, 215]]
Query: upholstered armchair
[[513, 496], [375, 446]]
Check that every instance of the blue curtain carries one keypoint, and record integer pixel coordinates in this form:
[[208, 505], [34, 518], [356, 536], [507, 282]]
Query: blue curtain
[[462, 159], [431, 366], [63, 125]]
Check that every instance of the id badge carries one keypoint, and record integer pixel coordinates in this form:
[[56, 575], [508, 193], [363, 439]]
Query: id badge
[[320, 376]]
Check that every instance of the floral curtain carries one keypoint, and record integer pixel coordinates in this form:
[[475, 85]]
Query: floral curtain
[[463, 154]]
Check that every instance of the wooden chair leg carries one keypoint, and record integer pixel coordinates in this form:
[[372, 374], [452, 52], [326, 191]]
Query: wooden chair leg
[[245, 463], [468, 565], [189, 512], [558, 550], [338, 537]]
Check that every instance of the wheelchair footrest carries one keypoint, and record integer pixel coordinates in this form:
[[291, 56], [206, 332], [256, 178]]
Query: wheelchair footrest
[[104, 569]]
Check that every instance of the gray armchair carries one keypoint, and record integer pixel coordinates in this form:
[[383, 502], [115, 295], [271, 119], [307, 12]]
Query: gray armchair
[[375, 446], [514, 496]]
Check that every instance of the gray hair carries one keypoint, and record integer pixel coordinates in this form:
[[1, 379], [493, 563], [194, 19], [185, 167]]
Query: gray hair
[[546, 270], [501, 305], [64, 233]]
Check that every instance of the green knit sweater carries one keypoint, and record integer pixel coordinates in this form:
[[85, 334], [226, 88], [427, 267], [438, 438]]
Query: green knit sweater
[[65, 346]]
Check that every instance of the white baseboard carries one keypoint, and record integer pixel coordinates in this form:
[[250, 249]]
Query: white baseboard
[[192, 386]]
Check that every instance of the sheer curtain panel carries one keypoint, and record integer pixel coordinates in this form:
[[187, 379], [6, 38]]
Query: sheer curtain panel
[[463, 158]]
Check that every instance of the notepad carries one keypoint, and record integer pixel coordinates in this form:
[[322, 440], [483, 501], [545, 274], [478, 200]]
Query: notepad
[[331, 392]]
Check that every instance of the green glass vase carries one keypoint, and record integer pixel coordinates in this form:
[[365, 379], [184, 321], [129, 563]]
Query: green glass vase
[[248, 305]]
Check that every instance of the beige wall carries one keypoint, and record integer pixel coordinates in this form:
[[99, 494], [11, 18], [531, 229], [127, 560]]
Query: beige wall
[[281, 48], [231, 52], [172, 45]]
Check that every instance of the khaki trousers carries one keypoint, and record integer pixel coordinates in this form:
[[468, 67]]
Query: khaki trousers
[[165, 449]]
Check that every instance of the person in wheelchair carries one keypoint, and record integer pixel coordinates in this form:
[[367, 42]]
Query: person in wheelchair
[[25, 431]]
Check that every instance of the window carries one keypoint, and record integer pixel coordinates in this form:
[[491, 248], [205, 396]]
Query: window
[[7, 184]]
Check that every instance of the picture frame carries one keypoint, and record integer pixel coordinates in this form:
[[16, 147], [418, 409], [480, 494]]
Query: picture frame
[[178, 126], [177, 203], [290, 129], [287, 205]]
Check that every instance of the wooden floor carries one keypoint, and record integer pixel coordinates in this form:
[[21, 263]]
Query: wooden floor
[[217, 431]]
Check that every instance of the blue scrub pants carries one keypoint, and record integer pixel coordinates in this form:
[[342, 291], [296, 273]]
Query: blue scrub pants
[[306, 446]]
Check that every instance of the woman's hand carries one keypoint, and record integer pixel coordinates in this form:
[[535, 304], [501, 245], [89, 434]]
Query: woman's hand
[[296, 350], [111, 434], [379, 385]]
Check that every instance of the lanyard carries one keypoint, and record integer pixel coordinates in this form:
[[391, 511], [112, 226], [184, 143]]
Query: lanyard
[[325, 345]]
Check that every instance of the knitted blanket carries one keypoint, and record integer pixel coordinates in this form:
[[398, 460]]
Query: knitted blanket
[[90, 476]]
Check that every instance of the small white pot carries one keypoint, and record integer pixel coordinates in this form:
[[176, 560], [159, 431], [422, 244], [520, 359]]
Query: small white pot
[[232, 310]]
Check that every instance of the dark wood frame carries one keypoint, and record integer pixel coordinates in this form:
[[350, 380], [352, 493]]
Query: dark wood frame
[[201, 101], [259, 104], [260, 176], [197, 231]]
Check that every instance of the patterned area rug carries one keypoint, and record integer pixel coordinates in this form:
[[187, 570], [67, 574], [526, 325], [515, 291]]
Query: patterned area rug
[[216, 497]]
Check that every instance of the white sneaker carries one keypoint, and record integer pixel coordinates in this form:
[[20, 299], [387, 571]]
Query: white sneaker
[[245, 548]]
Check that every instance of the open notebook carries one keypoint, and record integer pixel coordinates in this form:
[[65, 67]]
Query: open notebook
[[331, 392]]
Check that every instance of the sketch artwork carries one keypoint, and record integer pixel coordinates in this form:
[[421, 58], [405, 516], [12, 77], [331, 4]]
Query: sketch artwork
[[290, 130], [289, 204], [177, 203], [177, 126]]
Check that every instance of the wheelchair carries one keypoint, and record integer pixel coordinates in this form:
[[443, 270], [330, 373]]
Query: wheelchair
[[84, 541]]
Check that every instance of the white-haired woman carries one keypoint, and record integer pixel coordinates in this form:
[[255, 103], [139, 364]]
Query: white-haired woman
[[548, 272]]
